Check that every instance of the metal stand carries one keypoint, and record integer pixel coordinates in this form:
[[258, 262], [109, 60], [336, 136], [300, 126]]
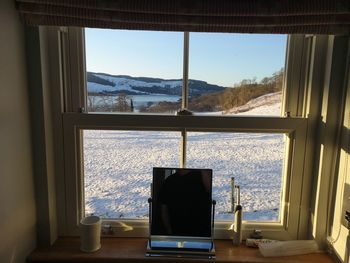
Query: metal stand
[[168, 251], [149, 219], [213, 203]]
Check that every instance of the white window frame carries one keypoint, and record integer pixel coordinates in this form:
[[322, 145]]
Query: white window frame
[[72, 64]]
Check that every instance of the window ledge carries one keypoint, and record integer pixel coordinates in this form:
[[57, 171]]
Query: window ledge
[[133, 250]]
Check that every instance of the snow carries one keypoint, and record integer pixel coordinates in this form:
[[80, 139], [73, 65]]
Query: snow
[[266, 110], [118, 167], [266, 105]]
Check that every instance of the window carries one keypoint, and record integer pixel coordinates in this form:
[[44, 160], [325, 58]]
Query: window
[[133, 71], [121, 137], [239, 70]]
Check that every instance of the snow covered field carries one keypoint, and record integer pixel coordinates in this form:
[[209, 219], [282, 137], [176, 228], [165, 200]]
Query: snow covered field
[[118, 168]]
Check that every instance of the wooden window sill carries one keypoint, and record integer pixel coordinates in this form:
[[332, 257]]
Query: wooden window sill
[[133, 250]]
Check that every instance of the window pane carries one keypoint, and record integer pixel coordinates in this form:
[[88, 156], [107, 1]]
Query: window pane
[[118, 169], [254, 160], [236, 73], [133, 71]]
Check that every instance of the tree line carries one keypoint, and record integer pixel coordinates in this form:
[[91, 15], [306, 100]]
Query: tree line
[[109, 103]]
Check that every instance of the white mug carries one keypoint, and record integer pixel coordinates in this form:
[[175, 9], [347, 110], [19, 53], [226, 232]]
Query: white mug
[[90, 234]]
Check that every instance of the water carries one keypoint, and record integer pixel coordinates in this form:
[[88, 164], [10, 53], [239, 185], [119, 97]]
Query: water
[[143, 100], [138, 100]]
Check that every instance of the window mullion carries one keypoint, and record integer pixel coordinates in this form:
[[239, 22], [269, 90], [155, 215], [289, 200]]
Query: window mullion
[[183, 148], [185, 71], [295, 74], [184, 96], [74, 55]]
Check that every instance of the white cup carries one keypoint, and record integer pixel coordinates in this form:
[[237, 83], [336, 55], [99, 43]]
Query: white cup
[[90, 234]]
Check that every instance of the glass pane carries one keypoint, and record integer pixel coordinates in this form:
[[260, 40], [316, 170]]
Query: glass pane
[[254, 160], [133, 71], [236, 73], [118, 169]]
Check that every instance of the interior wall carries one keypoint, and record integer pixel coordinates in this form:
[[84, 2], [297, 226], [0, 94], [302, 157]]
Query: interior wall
[[38, 67], [17, 200], [340, 236]]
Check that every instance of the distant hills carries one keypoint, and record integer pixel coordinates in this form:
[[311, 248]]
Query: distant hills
[[103, 84]]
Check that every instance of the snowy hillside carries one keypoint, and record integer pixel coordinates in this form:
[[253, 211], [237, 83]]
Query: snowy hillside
[[266, 105], [130, 85], [118, 166], [104, 83]]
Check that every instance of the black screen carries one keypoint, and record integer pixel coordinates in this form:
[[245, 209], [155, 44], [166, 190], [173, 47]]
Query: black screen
[[181, 202]]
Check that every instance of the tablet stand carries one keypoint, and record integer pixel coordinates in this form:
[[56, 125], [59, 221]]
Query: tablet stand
[[181, 246]]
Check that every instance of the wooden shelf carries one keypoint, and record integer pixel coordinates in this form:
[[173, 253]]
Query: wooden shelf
[[134, 249]]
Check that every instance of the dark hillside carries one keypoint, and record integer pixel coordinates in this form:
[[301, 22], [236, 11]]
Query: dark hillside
[[91, 77]]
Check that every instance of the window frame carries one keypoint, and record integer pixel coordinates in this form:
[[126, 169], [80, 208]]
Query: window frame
[[295, 128], [74, 119]]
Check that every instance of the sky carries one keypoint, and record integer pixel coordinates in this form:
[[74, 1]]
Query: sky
[[217, 58]]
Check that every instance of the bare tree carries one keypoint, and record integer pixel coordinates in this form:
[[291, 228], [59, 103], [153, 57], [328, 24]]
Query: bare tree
[[121, 103]]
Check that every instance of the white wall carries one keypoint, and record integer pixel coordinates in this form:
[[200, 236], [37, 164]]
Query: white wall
[[17, 202], [340, 235]]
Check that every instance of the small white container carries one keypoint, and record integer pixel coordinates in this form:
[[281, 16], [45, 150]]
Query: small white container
[[90, 234]]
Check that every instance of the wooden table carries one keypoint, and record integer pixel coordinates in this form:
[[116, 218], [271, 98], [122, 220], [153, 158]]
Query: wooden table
[[133, 250]]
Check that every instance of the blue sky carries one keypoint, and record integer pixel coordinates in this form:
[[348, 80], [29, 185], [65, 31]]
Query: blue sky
[[218, 58]]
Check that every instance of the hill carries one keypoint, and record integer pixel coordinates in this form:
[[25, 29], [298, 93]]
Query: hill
[[102, 83]]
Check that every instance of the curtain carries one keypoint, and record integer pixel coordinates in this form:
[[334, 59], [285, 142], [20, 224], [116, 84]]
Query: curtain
[[239, 16]]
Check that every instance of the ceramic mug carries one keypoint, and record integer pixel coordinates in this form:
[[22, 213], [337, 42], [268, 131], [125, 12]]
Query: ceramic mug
[[90, 234]]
